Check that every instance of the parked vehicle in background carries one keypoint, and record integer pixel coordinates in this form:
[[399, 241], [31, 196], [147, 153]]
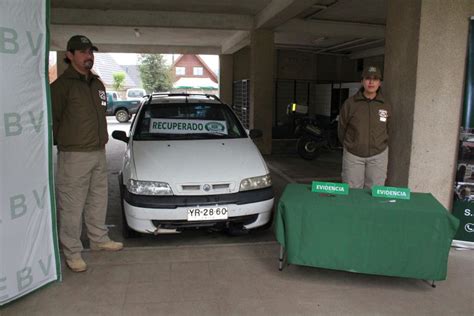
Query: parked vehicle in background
[[122, 109], [135, 94], [190, 164], [114, 95], [312, 138]]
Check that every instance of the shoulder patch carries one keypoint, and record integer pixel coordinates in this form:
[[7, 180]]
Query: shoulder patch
[[102, 95]]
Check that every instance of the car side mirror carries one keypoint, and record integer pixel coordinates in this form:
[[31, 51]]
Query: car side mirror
[[255, 133], [120, 135]]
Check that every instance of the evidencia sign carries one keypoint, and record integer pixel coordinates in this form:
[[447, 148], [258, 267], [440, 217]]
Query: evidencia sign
[[391, 192], [330, 188]]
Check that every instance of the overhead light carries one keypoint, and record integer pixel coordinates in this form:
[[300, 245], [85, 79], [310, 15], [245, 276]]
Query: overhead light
[[137, 32]]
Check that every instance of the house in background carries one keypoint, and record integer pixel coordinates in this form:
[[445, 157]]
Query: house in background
[[193, 75], [52, 73], [134, 72], [105, 66]]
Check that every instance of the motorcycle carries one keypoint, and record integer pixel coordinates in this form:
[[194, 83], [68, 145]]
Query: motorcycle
[[312, 139]]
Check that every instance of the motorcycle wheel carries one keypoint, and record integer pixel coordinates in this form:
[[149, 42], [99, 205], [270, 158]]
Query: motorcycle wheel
[[307, 148]]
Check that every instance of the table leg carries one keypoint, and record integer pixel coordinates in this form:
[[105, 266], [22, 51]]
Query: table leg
[[280, 259]]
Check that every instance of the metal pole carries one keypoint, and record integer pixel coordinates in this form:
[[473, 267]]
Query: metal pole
[[280, 259]]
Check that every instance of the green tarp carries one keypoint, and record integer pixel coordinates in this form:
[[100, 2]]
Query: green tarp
[[364, 234]]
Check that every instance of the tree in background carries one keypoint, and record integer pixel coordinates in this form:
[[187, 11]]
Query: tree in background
[[119, 79], [155, 74]]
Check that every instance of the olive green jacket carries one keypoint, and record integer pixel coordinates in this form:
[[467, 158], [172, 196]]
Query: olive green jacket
[[79, 105], [364, 125]]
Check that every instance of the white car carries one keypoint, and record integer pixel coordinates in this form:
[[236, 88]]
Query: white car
[[189, 163], [135, 94]]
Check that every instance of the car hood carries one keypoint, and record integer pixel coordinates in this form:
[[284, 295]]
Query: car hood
[[198, 161]]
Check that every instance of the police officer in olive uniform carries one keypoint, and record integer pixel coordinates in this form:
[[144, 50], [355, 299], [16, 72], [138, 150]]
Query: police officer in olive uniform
[[80, 132], [363, 130]]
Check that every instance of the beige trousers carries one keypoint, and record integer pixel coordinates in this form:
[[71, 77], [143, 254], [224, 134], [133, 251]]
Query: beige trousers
[[81, 190], [360, 172]]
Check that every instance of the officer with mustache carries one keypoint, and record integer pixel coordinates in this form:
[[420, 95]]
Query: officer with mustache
[[80, 133]]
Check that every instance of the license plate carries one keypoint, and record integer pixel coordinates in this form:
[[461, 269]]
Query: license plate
[[207, 213]]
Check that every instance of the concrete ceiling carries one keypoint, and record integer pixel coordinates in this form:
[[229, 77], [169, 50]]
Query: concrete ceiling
[[348, 27]]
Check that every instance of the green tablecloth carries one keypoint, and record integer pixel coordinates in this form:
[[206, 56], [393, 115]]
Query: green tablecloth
[[363, 234]]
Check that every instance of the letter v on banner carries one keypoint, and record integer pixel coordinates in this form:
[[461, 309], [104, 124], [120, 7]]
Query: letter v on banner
[[27, 183]]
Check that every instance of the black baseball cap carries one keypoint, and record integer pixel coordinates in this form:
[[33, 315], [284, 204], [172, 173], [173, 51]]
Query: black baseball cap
[[79, 42]]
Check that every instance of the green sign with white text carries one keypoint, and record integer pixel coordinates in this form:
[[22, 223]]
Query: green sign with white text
[[391, 192], [179, 126], [330, 188]]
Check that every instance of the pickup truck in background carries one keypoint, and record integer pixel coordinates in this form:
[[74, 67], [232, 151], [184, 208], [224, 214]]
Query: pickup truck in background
[[122, 109]]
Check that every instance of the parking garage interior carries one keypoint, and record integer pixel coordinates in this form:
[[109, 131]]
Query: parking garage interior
[[273, 53], [287, 50], [311, 52]]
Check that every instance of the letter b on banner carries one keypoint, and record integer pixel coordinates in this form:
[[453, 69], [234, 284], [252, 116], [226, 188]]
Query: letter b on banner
[[8, 41]]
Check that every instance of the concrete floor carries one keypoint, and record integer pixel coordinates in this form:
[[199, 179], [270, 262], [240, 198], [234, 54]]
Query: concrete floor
[[240, 279], [197, 273]]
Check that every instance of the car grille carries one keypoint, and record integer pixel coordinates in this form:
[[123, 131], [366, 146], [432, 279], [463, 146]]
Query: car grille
[[181, 224], [204, 187]]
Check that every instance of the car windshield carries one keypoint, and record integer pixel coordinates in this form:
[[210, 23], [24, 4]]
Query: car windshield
[[136, 93], [176, 121]]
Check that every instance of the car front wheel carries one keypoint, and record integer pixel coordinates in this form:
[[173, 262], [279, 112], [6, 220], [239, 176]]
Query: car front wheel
[[122, 116]]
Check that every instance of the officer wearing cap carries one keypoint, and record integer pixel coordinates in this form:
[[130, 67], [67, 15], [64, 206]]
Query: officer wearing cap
[[363, 130], [80, 133]]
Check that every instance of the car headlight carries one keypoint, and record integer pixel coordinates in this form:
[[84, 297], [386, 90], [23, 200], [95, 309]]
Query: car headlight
[[256, 183], [148, 187]]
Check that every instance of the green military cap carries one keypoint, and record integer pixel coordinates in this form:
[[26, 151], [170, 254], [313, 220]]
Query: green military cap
[[372, 71]]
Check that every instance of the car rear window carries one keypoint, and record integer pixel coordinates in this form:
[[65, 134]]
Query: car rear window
[[135, 93], [187, 121]]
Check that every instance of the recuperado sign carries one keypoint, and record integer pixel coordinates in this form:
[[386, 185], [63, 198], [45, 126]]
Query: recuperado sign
[[330, 188], [171, 126], [391, 192]]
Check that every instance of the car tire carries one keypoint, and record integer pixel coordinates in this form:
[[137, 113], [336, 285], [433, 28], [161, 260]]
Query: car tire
[[307, 148], [127, 232], [236, 230], [122, 116]]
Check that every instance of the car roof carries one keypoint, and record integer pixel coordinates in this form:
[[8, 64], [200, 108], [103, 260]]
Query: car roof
[[184, 98]]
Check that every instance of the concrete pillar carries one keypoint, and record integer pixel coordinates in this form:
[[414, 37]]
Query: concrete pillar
[[425, 53], [61, 65], [226, 75], [262, 87]]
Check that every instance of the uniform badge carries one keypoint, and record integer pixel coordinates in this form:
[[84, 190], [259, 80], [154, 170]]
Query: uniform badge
[[102, 95], [383, 115]]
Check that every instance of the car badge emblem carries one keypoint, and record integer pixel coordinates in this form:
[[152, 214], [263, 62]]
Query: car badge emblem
[[206, 187]]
